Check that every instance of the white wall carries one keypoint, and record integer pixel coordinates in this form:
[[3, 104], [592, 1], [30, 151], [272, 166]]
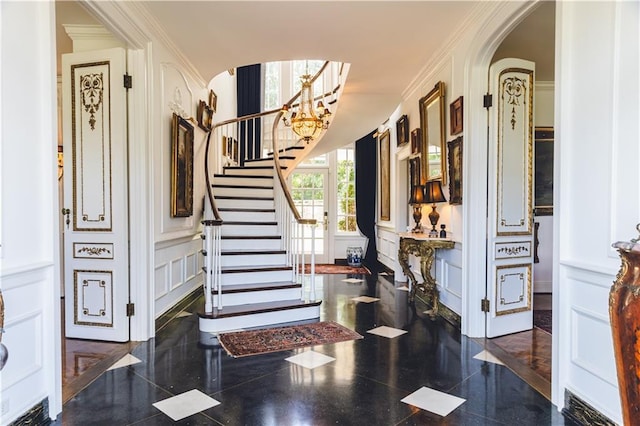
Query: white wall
[[177, 244], [597, 111], [29, 274]]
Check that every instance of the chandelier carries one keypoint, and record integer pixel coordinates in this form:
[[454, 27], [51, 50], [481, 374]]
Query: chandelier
[[306, 122]]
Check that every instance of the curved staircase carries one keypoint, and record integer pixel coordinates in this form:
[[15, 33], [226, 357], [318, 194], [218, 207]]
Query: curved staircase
[[252, 235]]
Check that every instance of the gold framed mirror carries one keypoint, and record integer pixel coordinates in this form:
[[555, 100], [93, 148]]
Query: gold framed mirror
[[432, 123]]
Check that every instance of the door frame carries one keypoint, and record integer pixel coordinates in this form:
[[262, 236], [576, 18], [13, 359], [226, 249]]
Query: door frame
[[328, 235], [140, 66], [474, 226]]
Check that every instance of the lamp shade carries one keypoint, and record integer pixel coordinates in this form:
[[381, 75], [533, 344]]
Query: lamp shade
[[417, 195], [433, 192]]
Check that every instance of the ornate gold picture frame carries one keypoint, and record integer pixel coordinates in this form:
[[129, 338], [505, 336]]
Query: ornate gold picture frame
[[385, 178], [181, 167]]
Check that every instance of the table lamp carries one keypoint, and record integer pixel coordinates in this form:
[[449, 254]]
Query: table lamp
[[433, 194], [416, 199]]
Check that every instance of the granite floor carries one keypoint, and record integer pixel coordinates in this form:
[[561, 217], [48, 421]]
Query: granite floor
[[407, 370]]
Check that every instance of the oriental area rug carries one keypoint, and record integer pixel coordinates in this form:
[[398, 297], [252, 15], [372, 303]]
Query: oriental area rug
[[325, 268], [254, 342]]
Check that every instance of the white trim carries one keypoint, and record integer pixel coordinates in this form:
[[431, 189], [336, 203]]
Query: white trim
[[142, 326]]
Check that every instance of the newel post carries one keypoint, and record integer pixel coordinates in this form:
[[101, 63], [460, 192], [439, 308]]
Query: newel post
[[624, 312]]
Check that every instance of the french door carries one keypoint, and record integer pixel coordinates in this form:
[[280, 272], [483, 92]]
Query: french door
[[510, 239], [309, 192], [95, 219]]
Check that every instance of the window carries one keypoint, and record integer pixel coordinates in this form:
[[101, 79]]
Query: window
[[272, 91], [346, 193]]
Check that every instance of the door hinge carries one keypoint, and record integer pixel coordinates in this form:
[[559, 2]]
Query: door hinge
[[128, 81], [487, 101], [484, 305], [131, 309]]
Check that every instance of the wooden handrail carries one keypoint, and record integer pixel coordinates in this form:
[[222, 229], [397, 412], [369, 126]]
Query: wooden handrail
[[212, 203], [276, 157]]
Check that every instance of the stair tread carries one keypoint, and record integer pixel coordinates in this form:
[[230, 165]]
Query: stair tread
[[236, 197], [251, 237], [251, 252], [246, 210], [256, 308], [217, 185], [218, 175], [289, 148], [240, 270], [236, 222], [242, 288]]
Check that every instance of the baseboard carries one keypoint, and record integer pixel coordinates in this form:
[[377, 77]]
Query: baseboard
[[450, 316], [186, 301], [542, 287], [583, 413], [38, 415]]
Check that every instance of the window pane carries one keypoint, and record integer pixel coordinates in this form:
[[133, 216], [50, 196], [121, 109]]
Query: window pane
[[346, 207], [272, 85]]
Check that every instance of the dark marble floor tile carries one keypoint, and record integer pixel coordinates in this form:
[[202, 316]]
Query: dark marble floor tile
[[327, 395], [455, 418], [117, 397], [363, 386], [496, 393], [162, 420], [191, 366]]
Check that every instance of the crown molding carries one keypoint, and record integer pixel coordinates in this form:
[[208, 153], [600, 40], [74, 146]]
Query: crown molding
[[132, 22], [478, 14]]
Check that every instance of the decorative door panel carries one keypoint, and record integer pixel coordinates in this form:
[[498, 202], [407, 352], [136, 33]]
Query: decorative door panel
[[95, 207], [513, 285], [93, 298], [510, 236], [91, 146], [515, 151]]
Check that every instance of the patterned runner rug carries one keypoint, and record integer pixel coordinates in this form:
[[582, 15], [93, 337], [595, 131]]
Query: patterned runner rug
[[253, 342], [325, 268]]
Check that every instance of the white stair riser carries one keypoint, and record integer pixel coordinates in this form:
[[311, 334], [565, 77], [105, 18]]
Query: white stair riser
[[235, 299], [243, 192], [251, 171], [264, 162], [244, 229], [250, 260], [256, 277], [244, 204], [243, 181], [219, 325], [248, 216], [236, 245]]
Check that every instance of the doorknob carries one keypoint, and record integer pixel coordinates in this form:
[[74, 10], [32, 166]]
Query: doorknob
[[326, 220]]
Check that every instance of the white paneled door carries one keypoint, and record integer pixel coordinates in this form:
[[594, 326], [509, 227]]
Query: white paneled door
[[95, 195], [510, 238]]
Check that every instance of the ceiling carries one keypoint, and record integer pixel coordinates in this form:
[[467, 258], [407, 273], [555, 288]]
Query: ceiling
[[387, 43]]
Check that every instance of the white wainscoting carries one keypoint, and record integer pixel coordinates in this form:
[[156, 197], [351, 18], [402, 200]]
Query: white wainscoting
[[178, 271], [447, 267], [448, 274], [387, 244], [28, 331], [588, 350]]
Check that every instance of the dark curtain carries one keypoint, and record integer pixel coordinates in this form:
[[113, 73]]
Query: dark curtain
[[249, 90], [365, 159]]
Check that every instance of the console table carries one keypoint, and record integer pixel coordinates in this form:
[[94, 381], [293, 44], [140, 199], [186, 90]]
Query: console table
[[424, 247]]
